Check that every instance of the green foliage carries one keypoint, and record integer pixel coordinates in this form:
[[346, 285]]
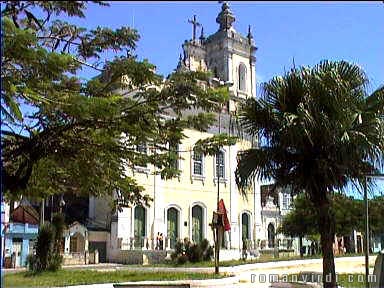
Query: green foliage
[[70, 277], [188, 251], [79, 135], [213, 144], [181, 259], [302, 220], [58, 222], [44, 249], [195, 254], [207, 250], [319, 130], [48, 246], [313, 139]]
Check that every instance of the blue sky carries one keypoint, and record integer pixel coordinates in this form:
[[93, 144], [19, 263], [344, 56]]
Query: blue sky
[[306, 32], [303, 32]]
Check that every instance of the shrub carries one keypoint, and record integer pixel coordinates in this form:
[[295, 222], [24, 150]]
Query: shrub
[[55, 262], [182, 259], [195, 254], [192, 252], [47, 249], [58, 222], [207, 250]]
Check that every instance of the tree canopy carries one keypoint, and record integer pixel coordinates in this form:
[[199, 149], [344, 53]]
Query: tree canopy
[[349, 215], [62, 133], [319, 130]]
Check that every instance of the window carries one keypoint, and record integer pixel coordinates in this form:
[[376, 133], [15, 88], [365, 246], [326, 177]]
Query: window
[[242, 77], [220, 165], [286, 201], [245, 228], [173, 151], [173, 226], [139, 226], [197, 163], [142, 149], [271, 235], [197, 224]]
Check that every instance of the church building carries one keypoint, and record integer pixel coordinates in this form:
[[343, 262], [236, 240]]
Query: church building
[[183, 207]]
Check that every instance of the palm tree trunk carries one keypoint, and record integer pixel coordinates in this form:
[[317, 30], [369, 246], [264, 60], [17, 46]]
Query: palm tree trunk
[[327, 232], [301, 247]]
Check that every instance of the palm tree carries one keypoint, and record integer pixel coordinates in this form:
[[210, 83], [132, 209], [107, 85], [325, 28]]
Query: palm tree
[[318, 131]]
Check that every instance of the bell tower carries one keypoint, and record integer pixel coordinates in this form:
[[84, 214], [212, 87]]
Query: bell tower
[[226, 53], [230, 56]]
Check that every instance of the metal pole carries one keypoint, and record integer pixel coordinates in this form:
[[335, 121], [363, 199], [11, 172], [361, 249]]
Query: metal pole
[[218, 199], [366, 252]]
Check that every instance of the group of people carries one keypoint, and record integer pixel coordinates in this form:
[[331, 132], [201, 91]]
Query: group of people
[[159, 241]]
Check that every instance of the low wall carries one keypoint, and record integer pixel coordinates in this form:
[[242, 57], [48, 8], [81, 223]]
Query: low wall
[[143, 257], [74, 259]]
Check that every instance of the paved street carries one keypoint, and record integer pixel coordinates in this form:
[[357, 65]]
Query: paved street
[[244, 274]]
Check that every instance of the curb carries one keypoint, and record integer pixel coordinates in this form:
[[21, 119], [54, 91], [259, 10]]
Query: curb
[[225, 282]]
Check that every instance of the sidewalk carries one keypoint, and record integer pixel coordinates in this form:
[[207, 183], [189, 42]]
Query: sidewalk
[[242, 274]]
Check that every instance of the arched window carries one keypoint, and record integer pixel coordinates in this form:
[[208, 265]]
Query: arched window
[[271, 235], [140, 226], [245, 226], [173, 225], [242, 77], [197, 223]]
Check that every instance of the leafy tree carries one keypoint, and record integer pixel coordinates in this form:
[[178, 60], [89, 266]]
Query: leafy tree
[[318, 131], [63, 133], [301, 221], [376, 215], [348, 212], [58, 222]]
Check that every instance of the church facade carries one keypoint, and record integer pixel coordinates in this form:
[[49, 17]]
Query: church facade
[[183, 207]]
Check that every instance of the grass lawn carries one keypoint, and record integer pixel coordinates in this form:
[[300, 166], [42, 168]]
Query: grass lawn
[[78, 277], [262, 259]]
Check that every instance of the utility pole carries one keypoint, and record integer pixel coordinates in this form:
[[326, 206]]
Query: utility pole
[[366, 238]]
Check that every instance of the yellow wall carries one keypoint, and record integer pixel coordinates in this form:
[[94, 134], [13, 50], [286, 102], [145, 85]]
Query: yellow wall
[[185, 190]]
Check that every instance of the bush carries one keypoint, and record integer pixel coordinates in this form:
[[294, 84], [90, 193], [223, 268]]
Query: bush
[[186, 250], [58, 222], [55, 262], [195, 254], [182, 259], [47, 251], [207, 250]]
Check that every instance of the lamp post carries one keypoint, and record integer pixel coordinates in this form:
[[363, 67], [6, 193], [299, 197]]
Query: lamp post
[[366, 244], [218, 222], [61, 203]]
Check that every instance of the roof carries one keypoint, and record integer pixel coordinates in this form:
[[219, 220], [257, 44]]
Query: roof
[[25, 213]]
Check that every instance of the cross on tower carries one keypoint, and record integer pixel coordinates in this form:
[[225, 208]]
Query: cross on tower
[[194, 25]]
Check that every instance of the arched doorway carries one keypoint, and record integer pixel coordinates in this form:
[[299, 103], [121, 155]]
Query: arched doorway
[[77, 243], [245, 226], [197, 224], [271, 235], [139, 226], [173, 226]]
